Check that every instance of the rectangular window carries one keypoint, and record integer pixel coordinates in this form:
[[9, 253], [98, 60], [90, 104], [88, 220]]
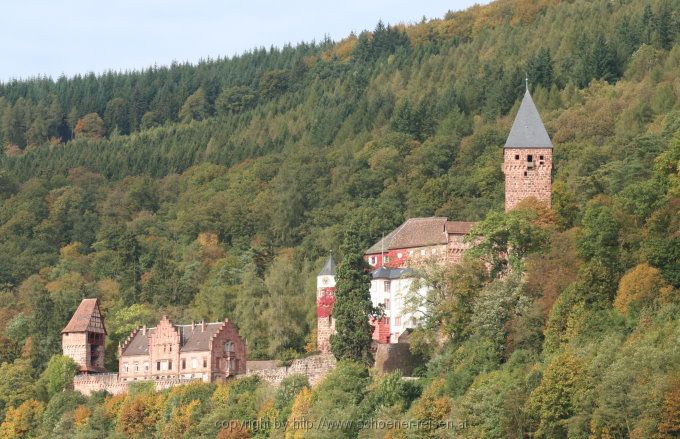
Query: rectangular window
[[136, 367], [530, 158], [373, 260], [184, 363], [540, 157], [194, 363], [205, 362], [386, 259], [387, 304], [516, 156], [397, 321], [146, 366], [170, 365], [158, 365], [126, 367], [387, 286]]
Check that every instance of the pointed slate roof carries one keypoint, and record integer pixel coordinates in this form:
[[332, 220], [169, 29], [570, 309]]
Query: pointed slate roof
[[528, 130], [329, 268]]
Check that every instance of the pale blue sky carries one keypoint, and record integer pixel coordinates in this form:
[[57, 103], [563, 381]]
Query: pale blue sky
[[48, 37]]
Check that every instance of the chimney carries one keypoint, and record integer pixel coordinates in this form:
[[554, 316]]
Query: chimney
[[202, 325]]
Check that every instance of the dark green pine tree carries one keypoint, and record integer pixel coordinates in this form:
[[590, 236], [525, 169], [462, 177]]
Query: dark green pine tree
[[353, 308]]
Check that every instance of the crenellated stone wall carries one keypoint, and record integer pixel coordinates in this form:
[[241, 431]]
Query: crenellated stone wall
[[314, 368], [87, 384]]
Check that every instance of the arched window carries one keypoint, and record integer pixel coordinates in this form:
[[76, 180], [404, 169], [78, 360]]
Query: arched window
[[228, 347]]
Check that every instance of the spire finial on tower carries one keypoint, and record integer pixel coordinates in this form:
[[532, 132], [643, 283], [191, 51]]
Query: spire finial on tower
[[526, 81]]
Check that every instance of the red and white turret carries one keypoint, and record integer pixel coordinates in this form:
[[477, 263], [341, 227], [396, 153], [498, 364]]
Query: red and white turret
[[325, 298]]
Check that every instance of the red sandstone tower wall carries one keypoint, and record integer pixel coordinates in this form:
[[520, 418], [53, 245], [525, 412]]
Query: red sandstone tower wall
[[528, 173]]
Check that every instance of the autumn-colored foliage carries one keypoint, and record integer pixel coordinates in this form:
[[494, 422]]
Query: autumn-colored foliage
[[235, 430], [22, 421], [641, 286], [81, 415], [670, 416], [138, 415], [90, 126]]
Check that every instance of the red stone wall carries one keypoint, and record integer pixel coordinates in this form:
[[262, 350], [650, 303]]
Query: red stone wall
[[325, 327], [225, 364], [164, 346], [524, 181], [325, 323]]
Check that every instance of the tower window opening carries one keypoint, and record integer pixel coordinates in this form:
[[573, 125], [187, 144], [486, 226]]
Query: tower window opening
[[530, 158], [516, 156], [540, 157], [525, 173]]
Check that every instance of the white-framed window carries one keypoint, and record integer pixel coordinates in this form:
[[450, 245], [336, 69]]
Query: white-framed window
[[136, 367], [400, 255], [397, 321], [194, 363], [164, 364], [374, 260], [386, 259], [387, 304], [387, 286], [146, 366]]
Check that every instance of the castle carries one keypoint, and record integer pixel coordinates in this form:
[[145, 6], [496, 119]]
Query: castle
[[168, 354], [527, 165], [171, 354]]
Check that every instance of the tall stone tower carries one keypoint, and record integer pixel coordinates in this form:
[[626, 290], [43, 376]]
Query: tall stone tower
[[527, 161], [83, 337], [325, 298]]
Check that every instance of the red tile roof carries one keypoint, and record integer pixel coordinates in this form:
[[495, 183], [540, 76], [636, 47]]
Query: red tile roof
[[415, 232], [86, 318], [459, 227]]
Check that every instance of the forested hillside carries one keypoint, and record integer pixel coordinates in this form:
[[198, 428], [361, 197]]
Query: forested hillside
[[215, 190]]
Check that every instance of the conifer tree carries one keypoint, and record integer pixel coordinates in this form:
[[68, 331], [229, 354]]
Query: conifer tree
[[353, 308]]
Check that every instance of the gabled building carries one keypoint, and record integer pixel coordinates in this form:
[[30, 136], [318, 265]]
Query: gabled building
[[420, 239], [168, 354], [83, 337], [205, 351]]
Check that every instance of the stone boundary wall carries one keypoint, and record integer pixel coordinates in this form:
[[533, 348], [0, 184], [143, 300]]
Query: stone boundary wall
[[314, 368], [87, 384], [395, 356]]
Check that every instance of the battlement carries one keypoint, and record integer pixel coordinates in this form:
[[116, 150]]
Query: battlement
[[88, 384]]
